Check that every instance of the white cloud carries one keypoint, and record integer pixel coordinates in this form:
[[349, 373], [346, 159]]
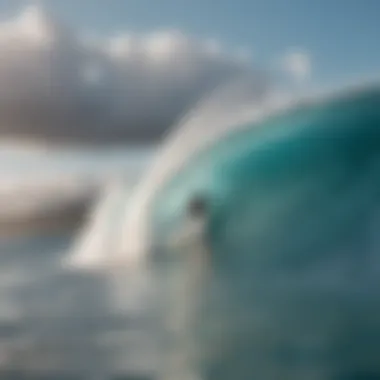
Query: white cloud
[[298, 64], [56, 84]]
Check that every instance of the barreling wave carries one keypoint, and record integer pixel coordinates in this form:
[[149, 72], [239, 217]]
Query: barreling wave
[[226, 109], [295, 215], [289, 190]]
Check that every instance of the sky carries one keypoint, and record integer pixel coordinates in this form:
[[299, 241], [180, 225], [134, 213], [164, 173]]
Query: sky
[[127, 70], [341, 36]]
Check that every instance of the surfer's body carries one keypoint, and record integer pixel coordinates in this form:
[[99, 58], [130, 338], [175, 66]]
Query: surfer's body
[[189, 255]]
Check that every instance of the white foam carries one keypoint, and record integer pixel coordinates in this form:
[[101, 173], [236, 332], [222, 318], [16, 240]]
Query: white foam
[[100, 237]]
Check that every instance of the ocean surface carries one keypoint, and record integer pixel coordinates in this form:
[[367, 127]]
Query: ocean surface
[[59, 324]]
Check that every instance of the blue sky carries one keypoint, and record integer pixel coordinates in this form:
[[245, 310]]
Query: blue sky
[[341, 36]]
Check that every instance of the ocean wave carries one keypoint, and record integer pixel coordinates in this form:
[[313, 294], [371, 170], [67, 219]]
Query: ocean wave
[[299, 171], [295, 205]]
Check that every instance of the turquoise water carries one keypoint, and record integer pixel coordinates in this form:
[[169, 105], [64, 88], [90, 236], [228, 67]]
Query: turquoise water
[[294, 235]]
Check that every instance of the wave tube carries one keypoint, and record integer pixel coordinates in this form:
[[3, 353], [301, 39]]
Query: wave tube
[[214, 116], [305, 170], [295, 206]]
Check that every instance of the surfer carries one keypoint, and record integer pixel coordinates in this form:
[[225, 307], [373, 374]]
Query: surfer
[[189, 264], [193, 230], [191, 243]]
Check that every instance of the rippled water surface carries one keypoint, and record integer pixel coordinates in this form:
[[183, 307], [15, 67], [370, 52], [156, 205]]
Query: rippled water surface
[[61, 324]]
